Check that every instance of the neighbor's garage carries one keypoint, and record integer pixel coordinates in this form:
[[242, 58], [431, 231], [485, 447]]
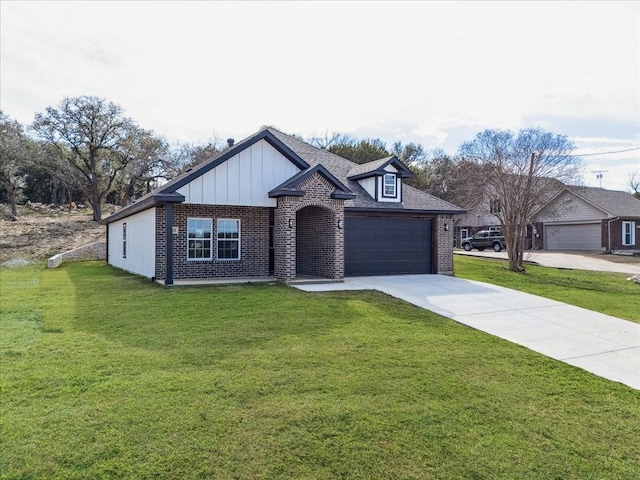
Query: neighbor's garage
[[386, 245], [573, 237]]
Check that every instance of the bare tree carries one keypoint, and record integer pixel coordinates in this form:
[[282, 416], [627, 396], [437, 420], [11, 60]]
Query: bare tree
[[634, 183], [522, 172], [14, 156]]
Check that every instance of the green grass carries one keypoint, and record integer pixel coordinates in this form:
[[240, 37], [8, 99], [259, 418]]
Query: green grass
[[603, 292], [105, 375]]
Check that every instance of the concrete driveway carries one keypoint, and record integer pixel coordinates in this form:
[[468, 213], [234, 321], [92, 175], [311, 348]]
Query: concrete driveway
[[601, 344], [569, 260]]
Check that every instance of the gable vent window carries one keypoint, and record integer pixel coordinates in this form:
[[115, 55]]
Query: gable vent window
[[389, 187], [628, 233], [495, 206]]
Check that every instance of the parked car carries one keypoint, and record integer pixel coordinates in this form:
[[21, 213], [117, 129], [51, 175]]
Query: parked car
[[484, 239]]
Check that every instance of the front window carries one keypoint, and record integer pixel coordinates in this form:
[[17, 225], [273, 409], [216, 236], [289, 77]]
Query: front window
[[389, 185], [124, 240], [628, 233], [495, 206], [228, 236], [199, 239]]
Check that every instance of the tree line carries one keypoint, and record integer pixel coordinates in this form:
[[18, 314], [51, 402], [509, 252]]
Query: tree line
[[86, 149]]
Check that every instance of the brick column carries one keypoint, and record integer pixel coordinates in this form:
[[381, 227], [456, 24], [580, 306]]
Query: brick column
[[444, 244], [284, 239]]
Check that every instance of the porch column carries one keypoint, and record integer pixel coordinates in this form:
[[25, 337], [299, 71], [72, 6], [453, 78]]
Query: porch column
[[284, 239], [168, 276]]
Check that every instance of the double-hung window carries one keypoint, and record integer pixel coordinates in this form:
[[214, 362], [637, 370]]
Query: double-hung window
[[628, 233], [389, 185], [228, 238], [199, 239]]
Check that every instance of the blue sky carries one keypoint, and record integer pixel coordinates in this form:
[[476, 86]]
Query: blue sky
[[431, 72]]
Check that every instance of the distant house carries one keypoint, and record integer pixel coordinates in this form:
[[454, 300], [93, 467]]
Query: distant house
[[588, 218], [273, 205], [482, 215], [571, 218]]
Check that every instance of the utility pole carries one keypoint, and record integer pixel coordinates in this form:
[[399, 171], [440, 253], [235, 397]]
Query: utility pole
[[599, 175]]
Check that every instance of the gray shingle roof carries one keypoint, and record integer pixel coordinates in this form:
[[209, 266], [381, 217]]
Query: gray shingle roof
[[305, 156], [413, 199], [613, 202], [368, 167]]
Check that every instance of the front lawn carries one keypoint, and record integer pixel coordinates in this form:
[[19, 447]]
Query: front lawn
[[603, 292], [106, 375]]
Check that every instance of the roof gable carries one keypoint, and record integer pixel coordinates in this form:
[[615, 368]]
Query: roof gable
[[377, 167], [289, 187], [204, 167]]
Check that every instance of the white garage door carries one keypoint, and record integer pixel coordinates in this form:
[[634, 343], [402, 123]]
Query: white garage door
[[572, 237]]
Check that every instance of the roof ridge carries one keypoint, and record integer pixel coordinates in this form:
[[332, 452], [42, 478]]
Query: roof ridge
[[323, 150]]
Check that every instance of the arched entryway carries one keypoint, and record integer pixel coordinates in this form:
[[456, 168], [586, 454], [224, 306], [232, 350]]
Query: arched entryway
[[316, 231]]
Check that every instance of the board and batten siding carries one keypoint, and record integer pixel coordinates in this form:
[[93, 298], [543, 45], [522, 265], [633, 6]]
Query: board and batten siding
[[369, 184], [569, 208], [141, 243], [245, 179]]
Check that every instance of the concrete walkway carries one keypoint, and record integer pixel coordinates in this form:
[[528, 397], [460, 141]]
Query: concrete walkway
[[568, 260], [601, 344]]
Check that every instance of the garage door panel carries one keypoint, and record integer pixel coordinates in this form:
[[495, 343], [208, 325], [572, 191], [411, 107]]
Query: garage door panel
[[387, 245], [573, 237]]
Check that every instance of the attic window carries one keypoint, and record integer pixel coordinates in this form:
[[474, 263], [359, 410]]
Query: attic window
[[389, 185]]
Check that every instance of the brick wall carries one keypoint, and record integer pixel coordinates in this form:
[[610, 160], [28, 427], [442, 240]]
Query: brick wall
[[325, 251], [443, 244], [254, 242], [616, 236]]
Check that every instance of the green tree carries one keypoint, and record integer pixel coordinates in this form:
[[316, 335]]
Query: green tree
[[95, 141], [520, 169], [362, 151]]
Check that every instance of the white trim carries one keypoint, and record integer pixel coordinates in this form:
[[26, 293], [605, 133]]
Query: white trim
[[200, 259], [632, 233], [218, 240], [395, 185]]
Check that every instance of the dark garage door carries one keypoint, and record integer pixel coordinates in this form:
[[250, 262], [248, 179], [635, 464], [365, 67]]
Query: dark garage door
[[387, 245]]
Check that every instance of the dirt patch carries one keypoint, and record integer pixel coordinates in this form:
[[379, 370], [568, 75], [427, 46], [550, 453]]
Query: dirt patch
[[41, 232]]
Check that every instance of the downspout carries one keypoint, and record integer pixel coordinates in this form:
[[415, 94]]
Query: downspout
[[609, 232], [107, 245]]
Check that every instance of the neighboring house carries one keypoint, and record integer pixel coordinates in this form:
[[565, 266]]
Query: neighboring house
[[482, 215], [273, 205], [588, 218]]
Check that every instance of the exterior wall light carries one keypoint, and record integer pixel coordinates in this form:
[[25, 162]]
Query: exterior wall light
[[446, 227], [340, 224], [291, 223]]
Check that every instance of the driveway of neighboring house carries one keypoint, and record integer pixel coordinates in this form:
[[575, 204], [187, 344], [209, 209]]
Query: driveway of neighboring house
[[601, 344], [568, 260]]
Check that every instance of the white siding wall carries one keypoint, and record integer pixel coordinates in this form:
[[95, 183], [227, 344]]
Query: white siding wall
[[141, 243], [244, 179], [369, 184], [569, 208]]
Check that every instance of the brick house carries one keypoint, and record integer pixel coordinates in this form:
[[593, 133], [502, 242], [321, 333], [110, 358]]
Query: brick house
[[589, 218], [273, 205], [567, 218]]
